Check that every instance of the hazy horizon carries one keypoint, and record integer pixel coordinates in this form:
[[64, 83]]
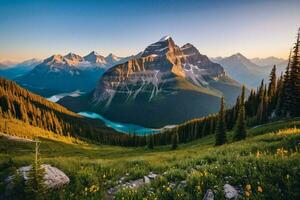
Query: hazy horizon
[[39, 29]]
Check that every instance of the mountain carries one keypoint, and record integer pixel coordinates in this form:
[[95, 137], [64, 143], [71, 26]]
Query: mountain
[[3, 66], [248, 72], [19, 69], [165, 84], [266, 64], [269, 61], [242, 69], [59, 74], [9, 63], [112, 59], [95, 59]]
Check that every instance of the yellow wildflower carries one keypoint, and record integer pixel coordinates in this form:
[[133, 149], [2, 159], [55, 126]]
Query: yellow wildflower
[[104, 176], [259, 189], [247, 193], [258, 154], [168, 189], [248, 187], [281, 152]]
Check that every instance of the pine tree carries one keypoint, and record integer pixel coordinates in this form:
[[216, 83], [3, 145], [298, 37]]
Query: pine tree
[[240, 129], [221, 127], [18, 185], [279, 96], [35, 185], [175, 139], [295, 79], [283, 102], [262, 111], [272, 83]]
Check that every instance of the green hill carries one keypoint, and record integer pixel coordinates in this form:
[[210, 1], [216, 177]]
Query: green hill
[[20, 108]]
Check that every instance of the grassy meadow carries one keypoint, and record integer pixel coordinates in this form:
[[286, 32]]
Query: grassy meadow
[[264, 166]]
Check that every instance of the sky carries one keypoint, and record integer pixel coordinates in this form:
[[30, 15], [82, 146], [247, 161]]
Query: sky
[[41, 28]]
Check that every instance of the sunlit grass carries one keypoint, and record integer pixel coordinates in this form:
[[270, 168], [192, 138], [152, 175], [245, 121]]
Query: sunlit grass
[[269, 154]]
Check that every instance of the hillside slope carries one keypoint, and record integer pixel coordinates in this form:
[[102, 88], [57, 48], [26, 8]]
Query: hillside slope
[[19, 104], [269, 155]]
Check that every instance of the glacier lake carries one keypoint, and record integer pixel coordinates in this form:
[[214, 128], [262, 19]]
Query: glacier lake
[[121, 127]]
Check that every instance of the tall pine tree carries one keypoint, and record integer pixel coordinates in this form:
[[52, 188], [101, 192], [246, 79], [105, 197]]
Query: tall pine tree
[[221, 137], [35, 185], [295, 79], [240, 129], [284, 98], [272, 83]]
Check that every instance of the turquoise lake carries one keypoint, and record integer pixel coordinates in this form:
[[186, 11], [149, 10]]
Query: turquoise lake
[[121, 127]]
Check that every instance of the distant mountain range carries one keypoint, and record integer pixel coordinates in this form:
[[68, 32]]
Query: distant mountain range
[[165, 84], [2, 66], [12, 72], [269, 61], [58, 74], [250, 71]]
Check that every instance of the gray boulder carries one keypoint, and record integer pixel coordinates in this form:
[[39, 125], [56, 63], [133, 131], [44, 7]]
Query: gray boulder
[[54, 178], [209, 195], [230, 192]]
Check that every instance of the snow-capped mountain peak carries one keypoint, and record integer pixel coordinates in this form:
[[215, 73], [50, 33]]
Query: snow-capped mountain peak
[[95, 58], [73, 58], [94, 53], [111, 58], [159, 48], [239, 56], [165, 38], [56, 58]]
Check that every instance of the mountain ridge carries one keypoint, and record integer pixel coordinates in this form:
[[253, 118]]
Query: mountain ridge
[[58, 73], [243, 69], [154, 82]]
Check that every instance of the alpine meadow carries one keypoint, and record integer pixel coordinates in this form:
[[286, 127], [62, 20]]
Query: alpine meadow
[[177, 112]]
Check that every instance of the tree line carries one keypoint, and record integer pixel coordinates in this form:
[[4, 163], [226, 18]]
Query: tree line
[[278, 99]]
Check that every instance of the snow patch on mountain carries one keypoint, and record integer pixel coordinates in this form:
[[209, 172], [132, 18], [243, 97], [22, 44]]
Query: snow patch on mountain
[[165, 38]]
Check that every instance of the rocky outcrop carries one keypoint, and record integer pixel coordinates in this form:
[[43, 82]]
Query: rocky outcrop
[[209, 195], [54, 178], [230, 192], [131, 184]]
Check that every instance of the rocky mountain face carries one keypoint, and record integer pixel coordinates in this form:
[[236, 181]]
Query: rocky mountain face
[[160, 64], [165, 84], [67, 73]]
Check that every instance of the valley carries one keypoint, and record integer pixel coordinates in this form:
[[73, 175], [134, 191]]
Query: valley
[[149, 100]]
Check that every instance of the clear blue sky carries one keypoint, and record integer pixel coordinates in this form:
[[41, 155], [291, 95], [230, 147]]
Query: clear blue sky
[[39, 28]]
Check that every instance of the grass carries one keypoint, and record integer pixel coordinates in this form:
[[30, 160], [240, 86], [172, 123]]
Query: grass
[[269, 158]]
